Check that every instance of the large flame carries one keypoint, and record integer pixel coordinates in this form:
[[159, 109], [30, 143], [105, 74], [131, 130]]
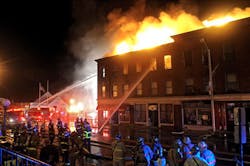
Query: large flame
[[151, 31]]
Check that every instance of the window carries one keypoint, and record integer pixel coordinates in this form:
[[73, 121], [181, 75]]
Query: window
[[188, 58], [189, 86], [105, 114], [154, 88], [124, 115], [229, 52], [197, 113], [140, 113], [231, 82], [169, 87], [139, 90], [103, 72], [125, 69], [166, 113], [190, 116], [138, 67], [103, 91], [167, 62], [115, 90], [125, 88], [153, 65]]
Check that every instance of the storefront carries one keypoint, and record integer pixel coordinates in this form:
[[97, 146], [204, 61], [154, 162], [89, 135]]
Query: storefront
[[197, 114]]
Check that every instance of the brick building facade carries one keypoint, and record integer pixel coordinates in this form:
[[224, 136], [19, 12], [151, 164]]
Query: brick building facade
[[169, 84]]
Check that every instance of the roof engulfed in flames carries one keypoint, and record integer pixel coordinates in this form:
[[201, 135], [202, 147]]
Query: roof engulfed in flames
[[151, 31]]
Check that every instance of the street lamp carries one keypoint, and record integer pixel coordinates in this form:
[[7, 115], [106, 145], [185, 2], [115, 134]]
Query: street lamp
[[210, 84]]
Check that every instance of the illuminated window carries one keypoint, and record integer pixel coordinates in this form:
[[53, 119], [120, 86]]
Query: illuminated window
[[154, 88], [153, 65], [138, 67], [103, 91], [125, 69], [105, 114], [139, 89], [169, 87], [167, 62], [115, 90], [125, 89], [103, 72]]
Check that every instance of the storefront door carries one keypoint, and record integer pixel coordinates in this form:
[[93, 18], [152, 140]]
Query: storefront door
[[153, 115], [178, 118]]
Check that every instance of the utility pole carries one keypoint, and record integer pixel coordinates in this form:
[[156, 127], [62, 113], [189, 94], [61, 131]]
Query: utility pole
[[210, 84]]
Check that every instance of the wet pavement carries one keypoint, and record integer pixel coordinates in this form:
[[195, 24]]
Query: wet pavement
[[221, 143]]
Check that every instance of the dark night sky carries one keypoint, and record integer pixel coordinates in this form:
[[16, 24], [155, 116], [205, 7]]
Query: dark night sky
[[32, 47], [35, 36]]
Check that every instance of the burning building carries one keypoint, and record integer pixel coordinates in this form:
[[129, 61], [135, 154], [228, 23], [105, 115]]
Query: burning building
[[170, 84]]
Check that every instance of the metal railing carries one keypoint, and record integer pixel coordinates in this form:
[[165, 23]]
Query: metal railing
[[12, 158]]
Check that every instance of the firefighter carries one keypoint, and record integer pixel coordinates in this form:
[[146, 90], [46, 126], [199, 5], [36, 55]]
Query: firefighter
[[22, 133], [59, 126], [64, 144], [36, 128], [144, 154], [43, 130], [78, 126], [31, 148], [186, 148], [118, 149], [49, 153], [85, 123], [207, 154], [158, 158], [51, 131], [30, 131], [175, 154], [87, 136], [195, 158], [77, 150]]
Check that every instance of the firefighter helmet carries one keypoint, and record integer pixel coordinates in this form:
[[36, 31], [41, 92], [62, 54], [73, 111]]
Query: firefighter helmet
[[140, 140], [202, 145], [156, 139], [187, 140], [118, 137], [178, 143]]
